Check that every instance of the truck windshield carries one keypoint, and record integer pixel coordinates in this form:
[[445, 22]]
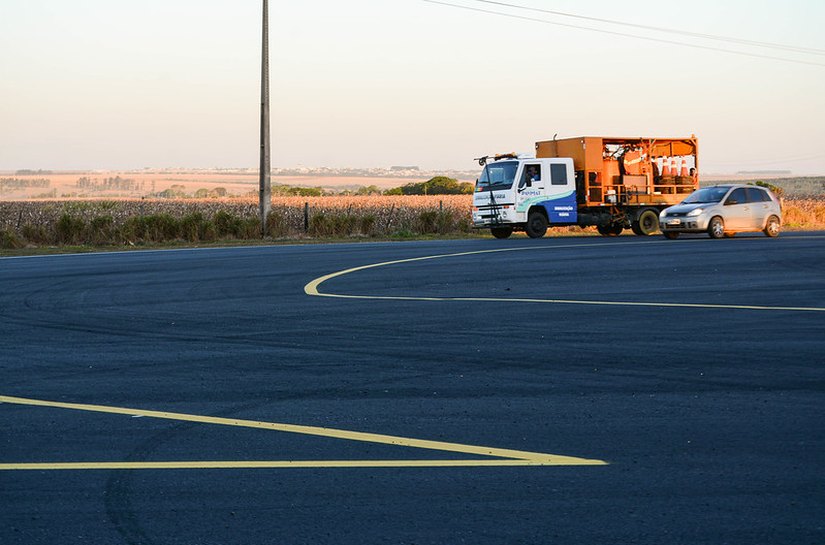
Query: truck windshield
[[707, 195], [497, 176]]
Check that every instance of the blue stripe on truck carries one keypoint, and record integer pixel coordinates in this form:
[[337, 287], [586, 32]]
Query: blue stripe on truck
[[560, 208]]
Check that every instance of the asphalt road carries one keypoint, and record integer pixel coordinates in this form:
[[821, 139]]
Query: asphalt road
[[689, 373]]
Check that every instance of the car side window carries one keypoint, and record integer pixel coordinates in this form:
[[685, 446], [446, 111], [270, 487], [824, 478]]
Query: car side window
[[757, 195], [739, 196]]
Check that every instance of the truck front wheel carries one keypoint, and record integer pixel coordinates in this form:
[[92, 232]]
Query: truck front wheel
[[536, 225], [501, 232]]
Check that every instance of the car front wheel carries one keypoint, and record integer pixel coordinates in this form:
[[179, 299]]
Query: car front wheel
[[716, 228]]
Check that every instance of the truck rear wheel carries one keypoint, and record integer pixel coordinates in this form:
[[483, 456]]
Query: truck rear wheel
[[536, 225], [647, 224], [501, 232], [612, 230]]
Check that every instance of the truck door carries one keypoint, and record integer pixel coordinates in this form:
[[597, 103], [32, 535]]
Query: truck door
[[561, 206], [554, 191], [530, 186], [531, 177]]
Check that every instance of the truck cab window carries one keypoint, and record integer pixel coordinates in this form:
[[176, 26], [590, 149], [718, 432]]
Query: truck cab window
[[497, 176], [531, 175], [558, 175]]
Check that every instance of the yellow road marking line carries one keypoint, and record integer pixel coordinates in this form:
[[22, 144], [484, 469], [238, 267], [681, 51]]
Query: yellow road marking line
[[298, 464], [312, 288], [510, 457]]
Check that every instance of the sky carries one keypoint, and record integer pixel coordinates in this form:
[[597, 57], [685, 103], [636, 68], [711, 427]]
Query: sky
[[111, 84]]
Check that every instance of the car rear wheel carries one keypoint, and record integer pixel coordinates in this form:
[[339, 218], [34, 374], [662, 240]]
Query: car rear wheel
[[772, 227], [716, 227]]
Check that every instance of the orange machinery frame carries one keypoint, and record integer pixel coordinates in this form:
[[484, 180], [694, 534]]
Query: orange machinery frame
[[599, 170]]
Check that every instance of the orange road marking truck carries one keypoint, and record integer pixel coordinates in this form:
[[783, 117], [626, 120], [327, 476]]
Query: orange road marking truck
[[610, 183]]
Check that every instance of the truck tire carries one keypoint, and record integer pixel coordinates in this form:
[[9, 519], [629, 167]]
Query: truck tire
[[612, 230], [716, 227], [501, 232], [536, 225], [647, 224]]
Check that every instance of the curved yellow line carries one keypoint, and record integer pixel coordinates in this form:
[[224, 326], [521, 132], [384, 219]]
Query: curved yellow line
[[312, 288]]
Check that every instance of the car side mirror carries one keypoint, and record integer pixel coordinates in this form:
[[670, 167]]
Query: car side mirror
[[731, 201]]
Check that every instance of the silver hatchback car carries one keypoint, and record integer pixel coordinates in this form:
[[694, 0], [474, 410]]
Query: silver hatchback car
[[724, 210]]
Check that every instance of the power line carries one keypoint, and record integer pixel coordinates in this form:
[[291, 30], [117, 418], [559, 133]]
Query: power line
[[729, 39], [623, 34]]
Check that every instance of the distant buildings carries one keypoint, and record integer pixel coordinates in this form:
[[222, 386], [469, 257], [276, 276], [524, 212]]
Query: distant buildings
[[764, 173]]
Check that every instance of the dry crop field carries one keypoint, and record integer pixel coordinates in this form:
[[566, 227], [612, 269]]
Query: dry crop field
[[139, 221], [96, 184], [143, 221]]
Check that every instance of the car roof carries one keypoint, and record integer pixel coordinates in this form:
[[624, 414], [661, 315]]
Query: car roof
[[729, 186]]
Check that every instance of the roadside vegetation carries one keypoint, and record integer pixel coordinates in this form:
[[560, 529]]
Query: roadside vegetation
[[439, 207], [810, 187], [147, 222]]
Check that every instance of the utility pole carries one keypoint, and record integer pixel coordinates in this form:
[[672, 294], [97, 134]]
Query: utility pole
[[265, 193]]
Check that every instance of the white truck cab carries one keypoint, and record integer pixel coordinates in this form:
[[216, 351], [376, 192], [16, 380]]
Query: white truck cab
[[524, 193]]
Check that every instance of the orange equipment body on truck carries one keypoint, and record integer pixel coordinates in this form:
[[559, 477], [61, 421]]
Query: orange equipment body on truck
[[635, 170]]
